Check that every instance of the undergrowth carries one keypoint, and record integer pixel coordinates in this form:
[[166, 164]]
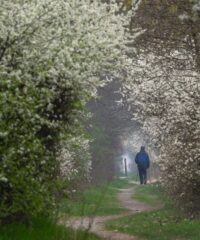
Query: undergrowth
[[42, 229]]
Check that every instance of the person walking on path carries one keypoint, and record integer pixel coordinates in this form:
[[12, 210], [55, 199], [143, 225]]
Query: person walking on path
[[143, 163]]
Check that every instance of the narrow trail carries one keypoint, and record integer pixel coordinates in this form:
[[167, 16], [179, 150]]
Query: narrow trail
[[96, 224]]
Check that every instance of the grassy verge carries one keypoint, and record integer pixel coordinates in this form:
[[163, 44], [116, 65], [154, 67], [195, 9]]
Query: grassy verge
[[42, 229], [165, 223], [151, 194], [101, 200]]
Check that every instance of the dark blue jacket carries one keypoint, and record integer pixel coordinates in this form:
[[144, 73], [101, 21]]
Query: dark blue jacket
[[142, 159]]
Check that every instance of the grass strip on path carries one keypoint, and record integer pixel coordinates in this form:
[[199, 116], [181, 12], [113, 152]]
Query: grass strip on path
[[161, 224], [100, 200]]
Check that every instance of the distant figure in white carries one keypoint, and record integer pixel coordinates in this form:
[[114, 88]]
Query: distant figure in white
[[143, 163]]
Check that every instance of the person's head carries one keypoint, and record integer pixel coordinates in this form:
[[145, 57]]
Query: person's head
[[142, 148]]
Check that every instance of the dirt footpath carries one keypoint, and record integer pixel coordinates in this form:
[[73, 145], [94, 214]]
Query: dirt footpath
[[96, 224]]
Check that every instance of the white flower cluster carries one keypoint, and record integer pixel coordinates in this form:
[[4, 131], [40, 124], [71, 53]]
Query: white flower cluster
[[65, 41], [74, 158]]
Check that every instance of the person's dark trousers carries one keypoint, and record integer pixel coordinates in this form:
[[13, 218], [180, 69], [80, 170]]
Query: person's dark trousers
[[142, 175]]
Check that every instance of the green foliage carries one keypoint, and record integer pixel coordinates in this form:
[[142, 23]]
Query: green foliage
[[101, 200], [42, 229], [32, 122], [24, 168]]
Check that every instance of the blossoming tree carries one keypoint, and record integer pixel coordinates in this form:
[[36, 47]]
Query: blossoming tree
[[163, 90], [52, 54]]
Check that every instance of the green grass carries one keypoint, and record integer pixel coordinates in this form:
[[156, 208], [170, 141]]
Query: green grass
[[42, 229], [101, 200], [162, 224], [151, 194]]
